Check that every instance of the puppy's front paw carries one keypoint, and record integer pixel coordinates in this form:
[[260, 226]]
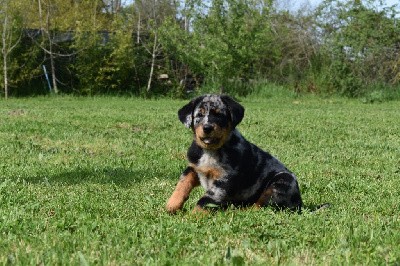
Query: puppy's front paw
[[174, 204], [199, 211]]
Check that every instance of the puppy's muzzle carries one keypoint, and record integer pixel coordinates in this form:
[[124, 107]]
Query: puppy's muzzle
[[208, 128], [209, 136]]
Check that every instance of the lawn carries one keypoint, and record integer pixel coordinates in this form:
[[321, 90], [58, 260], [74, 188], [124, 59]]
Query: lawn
[[84, 181]]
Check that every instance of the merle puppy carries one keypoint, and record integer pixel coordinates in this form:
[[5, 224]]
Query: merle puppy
[[229, 168]]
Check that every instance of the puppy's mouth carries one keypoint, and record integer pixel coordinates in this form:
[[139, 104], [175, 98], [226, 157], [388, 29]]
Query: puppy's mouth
[[210, 140]]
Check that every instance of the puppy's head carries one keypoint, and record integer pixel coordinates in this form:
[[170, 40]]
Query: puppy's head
[[212, 118]]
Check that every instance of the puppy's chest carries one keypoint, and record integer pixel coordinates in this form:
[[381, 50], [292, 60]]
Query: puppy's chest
[[209, 169]]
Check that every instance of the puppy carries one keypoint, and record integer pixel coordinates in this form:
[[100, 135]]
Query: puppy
[[231, 170]]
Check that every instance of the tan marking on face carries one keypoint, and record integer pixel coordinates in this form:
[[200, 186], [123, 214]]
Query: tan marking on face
[[219, 135], [182, 191]]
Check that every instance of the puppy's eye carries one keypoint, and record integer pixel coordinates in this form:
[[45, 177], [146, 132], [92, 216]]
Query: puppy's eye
[[199, 115]]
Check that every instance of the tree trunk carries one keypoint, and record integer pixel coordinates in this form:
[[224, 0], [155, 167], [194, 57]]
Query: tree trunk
[[7, 45], [153, 59], [138, 31], [53, 70], [4, 52], [52, 63], [5, 74], [45, 31]]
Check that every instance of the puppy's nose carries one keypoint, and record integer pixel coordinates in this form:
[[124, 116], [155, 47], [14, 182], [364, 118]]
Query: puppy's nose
[[207, 128]]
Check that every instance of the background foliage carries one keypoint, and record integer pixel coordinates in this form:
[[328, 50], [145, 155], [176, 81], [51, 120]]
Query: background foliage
[[168, 47]]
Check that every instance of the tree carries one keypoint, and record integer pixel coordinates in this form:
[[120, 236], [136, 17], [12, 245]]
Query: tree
[[223, 40], [92, 43], [151, 15], [8, 39], [59, 23], [363, 41]]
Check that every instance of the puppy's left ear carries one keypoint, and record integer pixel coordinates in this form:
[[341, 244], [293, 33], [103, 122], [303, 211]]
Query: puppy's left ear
[[236, 110], [185, 114]]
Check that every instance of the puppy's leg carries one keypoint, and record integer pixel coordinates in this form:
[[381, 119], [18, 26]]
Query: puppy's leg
[[283, 192], [204, 202], [213, 198], [265, 198], [187, 182]]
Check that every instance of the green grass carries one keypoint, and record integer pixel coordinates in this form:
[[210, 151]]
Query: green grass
[[84, 181]]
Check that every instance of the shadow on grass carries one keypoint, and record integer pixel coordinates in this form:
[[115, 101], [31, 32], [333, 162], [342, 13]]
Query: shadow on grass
[[316, 207], [118, 176]]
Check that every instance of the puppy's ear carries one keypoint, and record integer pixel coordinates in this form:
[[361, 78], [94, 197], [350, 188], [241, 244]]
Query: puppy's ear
[[185, 114], [236, 110]]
